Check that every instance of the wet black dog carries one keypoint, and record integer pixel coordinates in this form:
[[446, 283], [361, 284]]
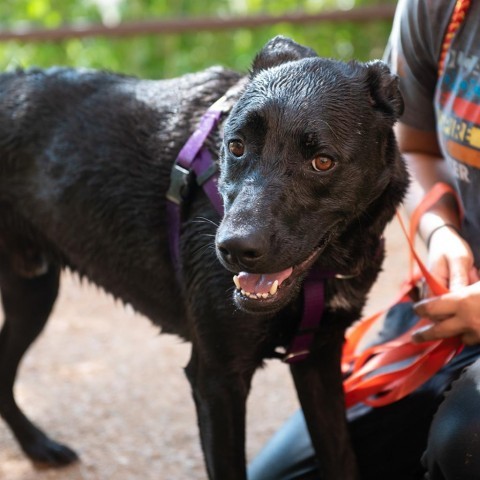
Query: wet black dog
[[310, 175]]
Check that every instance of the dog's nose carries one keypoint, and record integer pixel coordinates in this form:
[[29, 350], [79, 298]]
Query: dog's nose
[[242, 250]]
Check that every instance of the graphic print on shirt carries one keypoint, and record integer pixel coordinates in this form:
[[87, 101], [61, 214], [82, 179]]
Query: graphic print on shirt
[[458, 114]]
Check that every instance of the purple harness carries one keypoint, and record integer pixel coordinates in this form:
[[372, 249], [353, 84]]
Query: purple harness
[[194, 157]]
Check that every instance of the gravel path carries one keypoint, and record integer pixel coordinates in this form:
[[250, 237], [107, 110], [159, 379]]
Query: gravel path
[[103, 381]]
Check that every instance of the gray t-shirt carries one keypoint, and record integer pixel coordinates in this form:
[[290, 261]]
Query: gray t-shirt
[[449, 104]]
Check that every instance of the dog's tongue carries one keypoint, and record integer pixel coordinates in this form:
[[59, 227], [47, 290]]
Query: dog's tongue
[[262, 283]]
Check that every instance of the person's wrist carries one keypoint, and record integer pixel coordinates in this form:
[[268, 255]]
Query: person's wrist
[[450, 226], [435, 218]]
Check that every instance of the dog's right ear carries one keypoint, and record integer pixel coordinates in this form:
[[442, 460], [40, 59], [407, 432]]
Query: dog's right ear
[[385, 94], [280, 50]]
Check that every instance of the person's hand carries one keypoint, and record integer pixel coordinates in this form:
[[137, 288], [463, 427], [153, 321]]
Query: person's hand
[[450, 259], [456, 313]]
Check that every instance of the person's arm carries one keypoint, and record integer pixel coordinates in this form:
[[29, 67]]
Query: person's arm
[[450, 258], [426, 166]]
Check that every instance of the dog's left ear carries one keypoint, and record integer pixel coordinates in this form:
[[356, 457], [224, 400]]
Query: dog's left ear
[[384, 91], [280, 50]]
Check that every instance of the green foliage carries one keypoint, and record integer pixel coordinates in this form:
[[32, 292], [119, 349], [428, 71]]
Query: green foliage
[[157, 56]]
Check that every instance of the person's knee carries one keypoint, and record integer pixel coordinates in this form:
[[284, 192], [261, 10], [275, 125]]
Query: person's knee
[[288, 455], [455, 449], [454, 439]]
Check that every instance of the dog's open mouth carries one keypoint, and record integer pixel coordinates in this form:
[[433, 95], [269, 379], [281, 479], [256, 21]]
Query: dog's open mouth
[[260, 286], [260, 291], [269, 292]]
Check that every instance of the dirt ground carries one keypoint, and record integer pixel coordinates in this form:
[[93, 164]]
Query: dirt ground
[[103, 381]]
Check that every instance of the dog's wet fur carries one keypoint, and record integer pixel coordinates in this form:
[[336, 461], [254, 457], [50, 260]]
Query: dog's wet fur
[[310, 175]]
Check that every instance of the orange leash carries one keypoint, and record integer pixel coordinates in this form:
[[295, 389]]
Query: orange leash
[[373, 377]]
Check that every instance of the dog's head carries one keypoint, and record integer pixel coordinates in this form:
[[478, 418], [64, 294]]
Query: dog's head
[[308, 154]]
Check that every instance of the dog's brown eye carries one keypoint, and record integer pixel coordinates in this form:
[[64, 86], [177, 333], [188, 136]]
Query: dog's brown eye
[[322, 164], [236, 147]]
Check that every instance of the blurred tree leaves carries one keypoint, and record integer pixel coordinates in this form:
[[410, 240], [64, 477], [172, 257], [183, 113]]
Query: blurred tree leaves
[[158, 56]]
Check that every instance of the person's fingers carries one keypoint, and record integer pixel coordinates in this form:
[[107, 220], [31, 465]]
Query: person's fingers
[[437, 308], [450, 327], [471, 338], [459, 273], [440, 270], [473, 275], [452, 314]]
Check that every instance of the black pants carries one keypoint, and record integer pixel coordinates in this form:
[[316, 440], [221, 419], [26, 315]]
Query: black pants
[[433, 434]]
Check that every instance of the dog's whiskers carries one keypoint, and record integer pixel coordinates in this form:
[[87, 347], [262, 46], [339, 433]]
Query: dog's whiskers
[[202, 248], [231, 290], [206, 220]]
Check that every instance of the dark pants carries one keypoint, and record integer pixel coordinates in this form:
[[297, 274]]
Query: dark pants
[[440, 420]]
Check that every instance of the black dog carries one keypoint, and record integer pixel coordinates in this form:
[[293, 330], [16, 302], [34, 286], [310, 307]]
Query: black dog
[[310, 175]]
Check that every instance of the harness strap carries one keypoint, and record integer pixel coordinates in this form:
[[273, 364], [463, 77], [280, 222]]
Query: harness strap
[[206, 173], [193, 157], [313, 308]]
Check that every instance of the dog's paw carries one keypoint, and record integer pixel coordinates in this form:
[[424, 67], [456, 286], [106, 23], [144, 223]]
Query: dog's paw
[[47, 453]]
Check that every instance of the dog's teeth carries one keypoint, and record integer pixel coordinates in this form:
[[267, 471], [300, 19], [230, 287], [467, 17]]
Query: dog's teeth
[[253, 295], [274, 288], [243, 292], [236, 281], [264, 295]]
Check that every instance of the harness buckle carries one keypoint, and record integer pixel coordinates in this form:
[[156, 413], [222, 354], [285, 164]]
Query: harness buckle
[[178, 184], [207, 174], [296, 356], [290, 356]]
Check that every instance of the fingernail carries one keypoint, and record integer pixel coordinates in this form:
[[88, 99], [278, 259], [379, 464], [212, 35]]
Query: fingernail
[[420, 308], [418, 335]]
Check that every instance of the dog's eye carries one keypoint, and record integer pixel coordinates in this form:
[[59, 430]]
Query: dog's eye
[[236, 148], [322, 164]]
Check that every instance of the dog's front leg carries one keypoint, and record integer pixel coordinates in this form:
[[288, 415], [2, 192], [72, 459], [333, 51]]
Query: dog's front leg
[[220, 398], [318, 381]]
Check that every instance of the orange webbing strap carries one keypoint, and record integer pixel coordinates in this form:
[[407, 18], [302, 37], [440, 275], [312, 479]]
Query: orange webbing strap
[[357, 331], [365, 383], [437, 191], [373, 376]]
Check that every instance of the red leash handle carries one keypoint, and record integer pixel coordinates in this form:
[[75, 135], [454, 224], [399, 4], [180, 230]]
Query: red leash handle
[[373, 377]]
